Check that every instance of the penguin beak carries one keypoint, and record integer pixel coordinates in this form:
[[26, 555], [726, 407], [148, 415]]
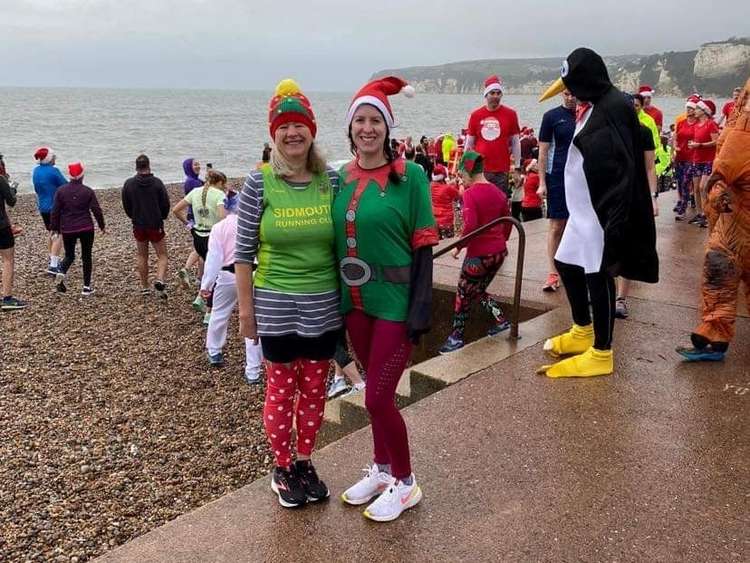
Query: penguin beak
[[556, 87]]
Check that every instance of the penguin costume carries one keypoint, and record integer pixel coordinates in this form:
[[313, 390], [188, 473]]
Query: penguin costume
[[611, 229]]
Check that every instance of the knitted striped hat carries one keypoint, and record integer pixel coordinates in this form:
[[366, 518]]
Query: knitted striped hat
[[289, 105]]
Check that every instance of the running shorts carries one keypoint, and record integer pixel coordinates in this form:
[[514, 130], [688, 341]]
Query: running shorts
[[146, 234]]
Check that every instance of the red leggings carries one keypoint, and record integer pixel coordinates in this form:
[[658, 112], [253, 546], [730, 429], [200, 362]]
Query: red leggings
[[383, 348], [305, 382]]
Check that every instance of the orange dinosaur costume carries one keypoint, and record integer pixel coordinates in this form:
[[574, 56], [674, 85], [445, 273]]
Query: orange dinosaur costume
[[727, 261]]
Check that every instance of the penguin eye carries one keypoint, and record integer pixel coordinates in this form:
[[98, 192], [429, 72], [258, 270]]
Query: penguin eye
[[564, 69]]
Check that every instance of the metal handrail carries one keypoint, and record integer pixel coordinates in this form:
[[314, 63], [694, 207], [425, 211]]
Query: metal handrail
[[516, 309]]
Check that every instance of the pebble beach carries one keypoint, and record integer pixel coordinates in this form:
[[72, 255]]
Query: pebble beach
[[112, 422]]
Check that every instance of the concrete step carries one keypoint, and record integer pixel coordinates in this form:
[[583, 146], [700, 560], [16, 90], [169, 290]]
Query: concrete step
[[347, 414]]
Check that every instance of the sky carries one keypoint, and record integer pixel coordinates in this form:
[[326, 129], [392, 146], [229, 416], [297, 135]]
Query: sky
[[327, 45]]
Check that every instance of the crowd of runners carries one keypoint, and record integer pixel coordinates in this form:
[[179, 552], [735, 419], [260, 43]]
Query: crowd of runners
[[334, 267]]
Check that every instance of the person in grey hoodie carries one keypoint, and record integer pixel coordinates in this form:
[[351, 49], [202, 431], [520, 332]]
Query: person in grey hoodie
[[71, 217], [146, 202]]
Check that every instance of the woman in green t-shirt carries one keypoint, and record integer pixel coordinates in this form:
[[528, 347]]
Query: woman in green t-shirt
[[385, 229], [292, 303]]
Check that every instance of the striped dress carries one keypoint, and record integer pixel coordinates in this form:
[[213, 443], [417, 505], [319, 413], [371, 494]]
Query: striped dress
[[280, 313]]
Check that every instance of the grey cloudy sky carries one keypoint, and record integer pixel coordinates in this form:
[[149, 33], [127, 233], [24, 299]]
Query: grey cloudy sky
[[325, 44]]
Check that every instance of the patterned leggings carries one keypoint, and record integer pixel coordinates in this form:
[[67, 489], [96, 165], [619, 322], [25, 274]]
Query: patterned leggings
[[684, 185], [476, 274], [302, 382]]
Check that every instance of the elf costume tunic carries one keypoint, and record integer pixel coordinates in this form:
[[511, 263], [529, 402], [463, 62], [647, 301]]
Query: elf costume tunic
[[379, 225]]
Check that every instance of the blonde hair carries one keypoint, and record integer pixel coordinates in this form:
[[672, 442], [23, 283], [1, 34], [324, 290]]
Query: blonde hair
[[213, 178], [280, 166]]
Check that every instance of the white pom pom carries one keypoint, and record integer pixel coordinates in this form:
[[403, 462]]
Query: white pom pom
[[408, 91]]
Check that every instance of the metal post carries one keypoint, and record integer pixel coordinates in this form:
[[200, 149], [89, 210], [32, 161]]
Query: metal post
[[515, 314]]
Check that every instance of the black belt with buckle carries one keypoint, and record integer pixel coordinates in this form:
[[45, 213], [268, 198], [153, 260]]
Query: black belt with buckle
[[356, 272]]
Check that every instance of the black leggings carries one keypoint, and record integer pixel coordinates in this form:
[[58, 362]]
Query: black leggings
[[600, 288], [87, 245]]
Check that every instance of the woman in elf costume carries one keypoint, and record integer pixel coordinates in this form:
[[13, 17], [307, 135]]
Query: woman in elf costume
[[384, 233], [284, 221]]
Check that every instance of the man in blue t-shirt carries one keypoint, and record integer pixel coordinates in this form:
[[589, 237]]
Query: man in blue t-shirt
[[555, 136], [47, 179]]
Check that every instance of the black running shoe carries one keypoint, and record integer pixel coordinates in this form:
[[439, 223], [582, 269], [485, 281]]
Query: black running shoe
[[161, 289], [315, 489], [287, 484]]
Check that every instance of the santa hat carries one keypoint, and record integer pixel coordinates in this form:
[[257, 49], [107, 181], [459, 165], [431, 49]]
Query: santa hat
[[439, 173], [76, 170], [289, 104], [646, 91], [707, 106], [692, 101], [493, 82], [44, 155], [375, 93]]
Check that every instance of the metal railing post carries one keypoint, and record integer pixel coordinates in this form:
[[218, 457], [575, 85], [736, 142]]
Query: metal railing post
[[516, 306]]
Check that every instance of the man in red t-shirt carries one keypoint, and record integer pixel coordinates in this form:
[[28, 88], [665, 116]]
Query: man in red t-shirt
[[726, 111], [648, 92], [493, 132]]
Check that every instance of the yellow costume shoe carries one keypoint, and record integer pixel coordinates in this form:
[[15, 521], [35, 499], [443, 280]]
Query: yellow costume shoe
[[591, 363], [576, 341]]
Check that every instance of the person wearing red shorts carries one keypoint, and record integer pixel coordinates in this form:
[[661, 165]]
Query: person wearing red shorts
[[146, 202]]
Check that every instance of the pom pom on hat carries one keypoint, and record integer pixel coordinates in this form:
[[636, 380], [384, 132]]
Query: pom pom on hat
[[44, 155], [289, 104], [375, 93], [76, 170], [707, 106], [646, 90], [493, 82]]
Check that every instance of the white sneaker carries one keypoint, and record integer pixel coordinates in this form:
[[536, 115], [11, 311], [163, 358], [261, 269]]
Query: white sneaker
[[371, 485], [338, 387], [394, 500], [356, 388], [252, 377]]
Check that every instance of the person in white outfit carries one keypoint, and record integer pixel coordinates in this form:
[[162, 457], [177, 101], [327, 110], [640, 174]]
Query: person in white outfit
[[218, 273]]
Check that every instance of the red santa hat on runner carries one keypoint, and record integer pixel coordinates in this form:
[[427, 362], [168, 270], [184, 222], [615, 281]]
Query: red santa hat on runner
[[707, 106], [44, 155], [646, 91], [439, 173], [76, 170], [493, 82], [375, 93], [692, 101]]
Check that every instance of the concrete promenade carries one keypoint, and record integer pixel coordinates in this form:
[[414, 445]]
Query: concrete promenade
[[650, 464]]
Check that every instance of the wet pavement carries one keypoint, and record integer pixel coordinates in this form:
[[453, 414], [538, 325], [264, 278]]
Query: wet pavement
[[650, 464]]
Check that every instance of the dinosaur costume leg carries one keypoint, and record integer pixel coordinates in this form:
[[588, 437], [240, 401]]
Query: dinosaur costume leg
[[727, 261]]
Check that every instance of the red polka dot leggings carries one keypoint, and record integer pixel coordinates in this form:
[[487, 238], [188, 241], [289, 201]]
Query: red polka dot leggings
[[302, 384], [383, 348]]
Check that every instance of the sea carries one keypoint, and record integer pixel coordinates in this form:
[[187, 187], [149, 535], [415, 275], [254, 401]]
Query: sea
[[107, 128]]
